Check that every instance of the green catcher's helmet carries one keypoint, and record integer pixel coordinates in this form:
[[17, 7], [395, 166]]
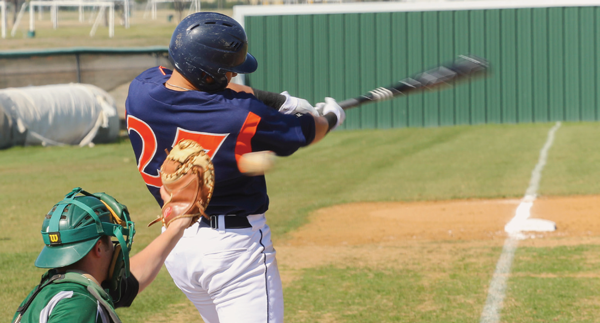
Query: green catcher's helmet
[[74, 225]]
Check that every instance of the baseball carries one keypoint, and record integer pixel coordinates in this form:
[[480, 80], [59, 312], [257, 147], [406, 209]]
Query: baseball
[[256, 163]]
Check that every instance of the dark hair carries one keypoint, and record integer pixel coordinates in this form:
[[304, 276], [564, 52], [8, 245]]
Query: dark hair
[[105, 239]]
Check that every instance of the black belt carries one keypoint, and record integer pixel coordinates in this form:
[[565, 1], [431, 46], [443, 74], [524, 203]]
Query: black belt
[[231, 222]]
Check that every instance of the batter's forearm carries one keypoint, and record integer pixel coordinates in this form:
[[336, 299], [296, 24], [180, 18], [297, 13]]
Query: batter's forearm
[[321, 129], [270, 99]]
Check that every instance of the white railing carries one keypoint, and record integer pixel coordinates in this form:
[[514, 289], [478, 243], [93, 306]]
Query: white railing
[[151, 4], [3, 17], [55, 4]]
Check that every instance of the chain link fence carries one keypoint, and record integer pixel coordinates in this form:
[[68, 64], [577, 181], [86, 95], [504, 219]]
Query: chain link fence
[[103, 67]]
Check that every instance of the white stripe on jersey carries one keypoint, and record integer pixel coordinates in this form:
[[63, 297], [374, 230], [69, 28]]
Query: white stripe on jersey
[[46, 311], [102, 314]]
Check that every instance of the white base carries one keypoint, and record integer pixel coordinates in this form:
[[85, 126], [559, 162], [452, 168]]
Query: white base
[[536, 225]]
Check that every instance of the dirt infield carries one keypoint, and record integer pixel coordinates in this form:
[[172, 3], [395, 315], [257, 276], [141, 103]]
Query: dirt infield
[[382, 234], [420, 236]]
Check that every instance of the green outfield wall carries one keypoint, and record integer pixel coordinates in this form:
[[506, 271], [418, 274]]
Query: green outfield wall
[[544, 59]]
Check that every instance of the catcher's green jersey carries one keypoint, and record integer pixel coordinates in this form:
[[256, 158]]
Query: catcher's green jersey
[[68, 300]]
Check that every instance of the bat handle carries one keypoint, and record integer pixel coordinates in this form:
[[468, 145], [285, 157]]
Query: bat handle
[[350, 103]]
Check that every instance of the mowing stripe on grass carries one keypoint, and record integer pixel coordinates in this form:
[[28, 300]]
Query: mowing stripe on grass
[[497, 289]]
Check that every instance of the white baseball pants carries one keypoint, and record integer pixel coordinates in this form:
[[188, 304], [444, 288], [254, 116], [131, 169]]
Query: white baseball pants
[[230, 275]]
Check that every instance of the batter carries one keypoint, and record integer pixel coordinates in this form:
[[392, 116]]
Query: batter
[[226, 265]]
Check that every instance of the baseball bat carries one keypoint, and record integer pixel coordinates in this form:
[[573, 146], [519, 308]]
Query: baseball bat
[[464, 67]]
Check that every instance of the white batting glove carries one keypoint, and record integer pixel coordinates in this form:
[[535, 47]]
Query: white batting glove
[[293, 105], [330, 105]]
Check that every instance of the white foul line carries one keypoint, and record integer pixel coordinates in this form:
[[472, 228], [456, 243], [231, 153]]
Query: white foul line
[[519, 223]]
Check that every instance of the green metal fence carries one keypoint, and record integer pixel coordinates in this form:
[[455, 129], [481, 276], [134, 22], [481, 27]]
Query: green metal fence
[[544, 62]]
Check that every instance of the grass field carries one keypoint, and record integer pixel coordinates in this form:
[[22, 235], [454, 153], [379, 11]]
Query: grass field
[[553, 279]]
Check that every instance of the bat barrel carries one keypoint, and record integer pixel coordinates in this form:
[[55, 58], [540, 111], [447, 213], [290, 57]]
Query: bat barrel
[[462, 68]]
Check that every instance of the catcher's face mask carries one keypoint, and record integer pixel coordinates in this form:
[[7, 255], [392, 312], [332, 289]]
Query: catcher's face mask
[[74, 225]]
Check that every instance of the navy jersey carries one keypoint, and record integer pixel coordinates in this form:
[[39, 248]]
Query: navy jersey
[[227, 124]]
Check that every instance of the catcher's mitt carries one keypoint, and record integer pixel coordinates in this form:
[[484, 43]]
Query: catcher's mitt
[[188, 178]]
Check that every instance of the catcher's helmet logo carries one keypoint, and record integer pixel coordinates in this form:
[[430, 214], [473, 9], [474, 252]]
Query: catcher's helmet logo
[[54, 238]]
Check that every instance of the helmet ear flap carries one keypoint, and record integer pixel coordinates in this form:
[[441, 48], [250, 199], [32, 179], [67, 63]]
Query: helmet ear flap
[[116, 272], [119, 266], [211, 82], [116, 258]]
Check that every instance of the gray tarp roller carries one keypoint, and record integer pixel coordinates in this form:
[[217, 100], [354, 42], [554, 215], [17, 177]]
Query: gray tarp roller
[[5, 129], [63, 114]]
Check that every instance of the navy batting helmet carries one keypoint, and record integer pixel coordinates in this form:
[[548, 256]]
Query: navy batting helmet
[[209, 44]]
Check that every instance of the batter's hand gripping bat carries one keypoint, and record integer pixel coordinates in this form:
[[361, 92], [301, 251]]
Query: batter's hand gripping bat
[[462, 68]]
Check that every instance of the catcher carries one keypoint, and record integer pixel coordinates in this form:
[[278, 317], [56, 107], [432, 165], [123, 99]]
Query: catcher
[[225, 263], [88, 238]]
